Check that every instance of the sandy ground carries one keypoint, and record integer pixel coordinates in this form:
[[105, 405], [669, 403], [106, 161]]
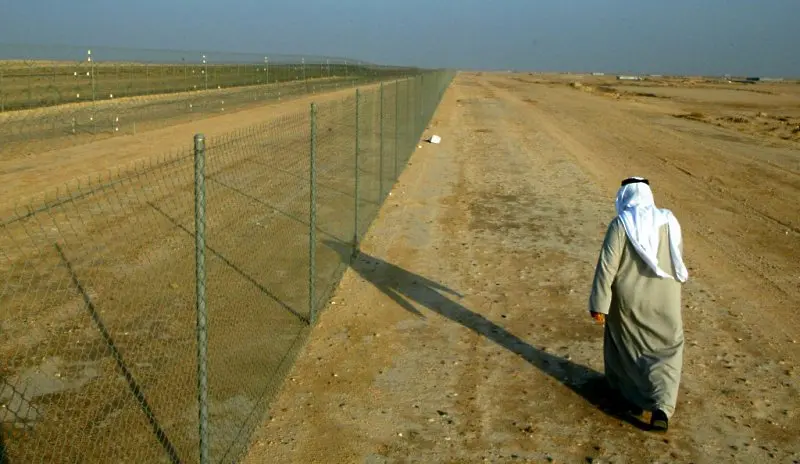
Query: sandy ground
[[460, 334]]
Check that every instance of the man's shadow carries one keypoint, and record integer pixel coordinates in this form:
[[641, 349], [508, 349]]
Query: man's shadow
[[404, 286]]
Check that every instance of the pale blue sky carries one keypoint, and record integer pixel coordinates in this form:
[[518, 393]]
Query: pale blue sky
[[750, 37]]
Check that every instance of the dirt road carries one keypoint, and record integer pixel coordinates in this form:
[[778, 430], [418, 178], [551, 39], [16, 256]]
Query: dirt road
[[461, 332]]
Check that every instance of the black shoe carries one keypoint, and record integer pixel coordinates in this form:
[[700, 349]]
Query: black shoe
[[659, 422]]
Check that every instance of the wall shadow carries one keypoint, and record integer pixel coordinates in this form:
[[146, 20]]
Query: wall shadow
[[404, 286]]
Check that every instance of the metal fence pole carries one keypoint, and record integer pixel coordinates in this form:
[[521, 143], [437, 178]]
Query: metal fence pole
[[409, 117], [94, 93], [305, 79], [422, 109], [200, 277], [396, 124], [358, 148], [205, 71], [415, 115], [312, 221], [29, 80], [380, 162], [421, 121]]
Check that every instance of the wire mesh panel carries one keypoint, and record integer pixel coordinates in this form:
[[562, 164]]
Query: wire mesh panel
[[336, 192], [389, 141], [369, 158], [97, 321], [104, 322], [257, 297], [411, 122]]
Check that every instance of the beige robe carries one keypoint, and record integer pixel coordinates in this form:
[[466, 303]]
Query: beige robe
[[643, 342]]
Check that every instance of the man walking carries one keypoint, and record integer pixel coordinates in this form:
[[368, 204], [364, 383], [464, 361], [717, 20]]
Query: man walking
[[637, 294]]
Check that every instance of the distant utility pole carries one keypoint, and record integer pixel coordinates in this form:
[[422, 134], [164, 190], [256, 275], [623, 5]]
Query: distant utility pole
[[266, 63]]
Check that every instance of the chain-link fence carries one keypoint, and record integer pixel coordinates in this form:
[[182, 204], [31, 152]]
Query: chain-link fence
[[150, 315], [58, 96]]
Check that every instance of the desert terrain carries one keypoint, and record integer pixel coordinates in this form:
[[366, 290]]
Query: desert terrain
[[461, 332]]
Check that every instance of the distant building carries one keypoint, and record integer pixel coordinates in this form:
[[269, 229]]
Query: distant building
[[629, 78], [598, 74]]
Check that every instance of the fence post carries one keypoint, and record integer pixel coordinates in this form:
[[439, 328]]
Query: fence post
[[414, 117], [312, 222], [410, 119], [422, 110], [396, 124], [380, 163], [421, 96], [200, 278], [358, 148]]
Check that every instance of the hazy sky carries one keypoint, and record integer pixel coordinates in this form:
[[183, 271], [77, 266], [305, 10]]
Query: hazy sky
[[752, 37]]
